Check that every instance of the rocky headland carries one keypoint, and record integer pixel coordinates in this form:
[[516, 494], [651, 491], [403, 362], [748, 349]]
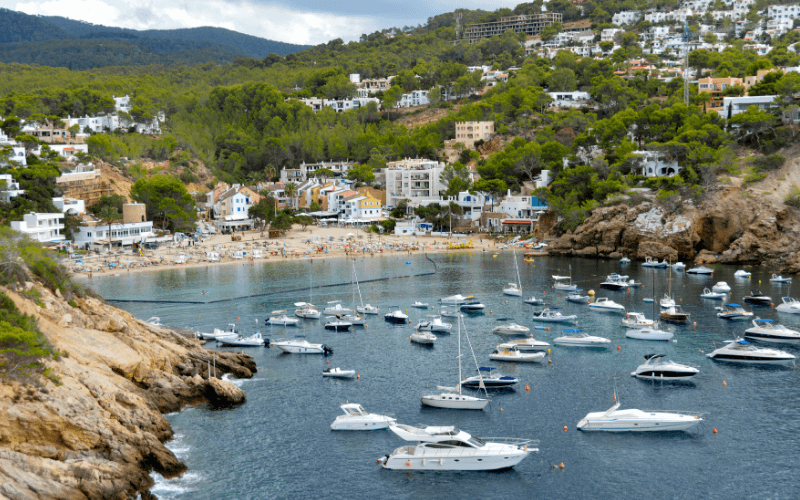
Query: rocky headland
[[99, 431]]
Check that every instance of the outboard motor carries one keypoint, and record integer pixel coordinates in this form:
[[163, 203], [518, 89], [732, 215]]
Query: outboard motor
[[648, 356], [326, 351], [267, 343]]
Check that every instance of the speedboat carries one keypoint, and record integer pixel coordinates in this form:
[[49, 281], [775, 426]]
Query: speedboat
[[356, 418], [534, 301], [512, 289], [301, 346], [336, 308], [337, 324], [353, 319], [473, 306], [420, 305], [338, 373], [656, 368], [306, 310], [230, 332], [552, 315], [513, 354], [742, 351], [488, 380], [721, 286], [637, 320], [528, 344], [282, 319], [435, 324], [700, 270], [624, 261], [649, 333], [673, 313], [733, 312], [758, 298], [614, 283], [577, 298], [425, 338], [790, 305], [741, 273], [607, 305], [395, 315], [455, 299], [679, 266], [511, 329], [576, 338], [254, 340], [767, 330], [779, 279], [708, 294], [616, 420], [649, 262], [368, 309], [448, 448]]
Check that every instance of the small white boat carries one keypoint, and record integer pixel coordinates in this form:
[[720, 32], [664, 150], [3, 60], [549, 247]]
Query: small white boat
[[679, 266], [435, 324], [741, 273], [624, 261], [511, 329], [527, 345], [576, 338], [637, 320], [448, 448], [254, 340], [299, 345], [789, 305], [721, 286], [577, 298], [356, 418], [607, 305], [534, 301], [230, 332], [155, 321], [512, 289], [473, 306], [733, 312], [353, 319], [632, 420], [488, 380], [666, 301], [650, 262], [758, 298], [450, 313], [656, 368], [337, 324], [425, 338], [649, 333], [368, 309], [552, 315], [713, 295], [614, 282], [336, 308], [306, 310], [282, 319], [395, 315], [420, 305], [456, 300], [779, 279], [564, 286], [767, 330], [338, 373], [700, 270], [648, 300], [674, 314], [514, 354], [742, 351]]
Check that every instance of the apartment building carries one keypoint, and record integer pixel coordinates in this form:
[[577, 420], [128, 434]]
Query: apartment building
[[9, 188], [306, 170], [41, 227], [531, 24], [413, 180], [716, 87], [468, 133], [626, 17], [339, 105]]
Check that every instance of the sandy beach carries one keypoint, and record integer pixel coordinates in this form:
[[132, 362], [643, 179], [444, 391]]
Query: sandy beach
[[313, 242]]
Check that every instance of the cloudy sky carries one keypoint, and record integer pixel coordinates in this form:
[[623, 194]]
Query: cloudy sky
[[298, 21]]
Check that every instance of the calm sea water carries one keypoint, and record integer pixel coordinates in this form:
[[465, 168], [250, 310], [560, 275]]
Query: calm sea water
[[279, 444]]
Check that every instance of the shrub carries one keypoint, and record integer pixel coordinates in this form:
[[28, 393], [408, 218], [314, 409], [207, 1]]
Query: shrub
[[22, 346], [753, 177], [767, 163], [793, 200]]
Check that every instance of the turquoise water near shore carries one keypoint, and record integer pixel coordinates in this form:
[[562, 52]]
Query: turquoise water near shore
[[279, 444]]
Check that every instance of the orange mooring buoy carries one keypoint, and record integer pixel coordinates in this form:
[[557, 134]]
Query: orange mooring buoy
[[358, 377], [527, 388], [565, 428], [715, 430]]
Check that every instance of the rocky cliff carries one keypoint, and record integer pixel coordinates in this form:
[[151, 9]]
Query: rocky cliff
[[100, 431], [732, 224]]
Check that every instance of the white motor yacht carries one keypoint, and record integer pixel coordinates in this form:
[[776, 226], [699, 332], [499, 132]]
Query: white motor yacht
[[679, 266], [503, 353], [425, 338], [306, 310], [338, 373], [614, 282], [709, 294], [395, 315], [488, 379], [789, 305], [336, 308], [576, 338], [448, 448], [742, 351], [299, 345], [552, 315], [733, 312], [337, 324], [434, 324], [624, 261], [455, 300], [534, 301], [420, 305], [578, 298], [779, 279], [368, 309], [616, 420], [528, 344], [721, 286], [767, 330], [657, 368], [650, 262], [254, 340], [758, 298], [473, 306], [282, 319], [741, 273], [700, 270], [356, 418], [636, 320], [607, 305], [511, 329], [649, 333]]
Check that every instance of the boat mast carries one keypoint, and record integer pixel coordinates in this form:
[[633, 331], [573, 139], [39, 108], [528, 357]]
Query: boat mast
[[516, 266], [459, 356], [361, 299]]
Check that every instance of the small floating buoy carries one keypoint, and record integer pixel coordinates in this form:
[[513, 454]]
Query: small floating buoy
[[358, 377], [549, 361], [408, 463], [694, 323], [329, 362], [237, 318], [548, 350], [347, 401], [715, 430], [619, 348], [772, 305], [527, 388], [366, 326], [565, 428], [501, 408], [491, 312], [724, 383], [506, 302], [561, 465]]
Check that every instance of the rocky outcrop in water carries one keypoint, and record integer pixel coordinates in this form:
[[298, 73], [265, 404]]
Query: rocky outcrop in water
[[100, 432]]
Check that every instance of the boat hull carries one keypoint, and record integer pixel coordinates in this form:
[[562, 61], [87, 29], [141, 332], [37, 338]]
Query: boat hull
[[660, 376], [396, 320], [788, 309], [454, 402], [644, 334], [751, 360], [314, 315], [360, 426], [401, 459], [522, 358], [512, 292], [771, 337], [299, 349], [338, 328], [628, 425], [235, 343]]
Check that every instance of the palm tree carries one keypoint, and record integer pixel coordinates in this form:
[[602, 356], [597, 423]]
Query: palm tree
[[109, 215], [290, 189]]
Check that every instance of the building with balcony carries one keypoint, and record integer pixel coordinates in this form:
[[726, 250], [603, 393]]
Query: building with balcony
[[716, 87], [9, 188], [531, 24], [468, 133], [70, 206], [125, 234], [413, 180], [43, 228]]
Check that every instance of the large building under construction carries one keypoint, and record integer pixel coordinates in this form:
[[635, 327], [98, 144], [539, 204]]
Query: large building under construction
[[532, 24]]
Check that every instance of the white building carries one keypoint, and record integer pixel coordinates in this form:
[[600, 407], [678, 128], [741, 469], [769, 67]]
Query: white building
[[306, 170], [64, 150], [9, 188], [339, 105], [41, 227], [415, 98], [414, 180], [521, 206], [122, 103], [70, 206], [732, 106], [570, 99], [657, 166], [607, 35], [626, 17], [121, 234], [783, 12], [362, 209]]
